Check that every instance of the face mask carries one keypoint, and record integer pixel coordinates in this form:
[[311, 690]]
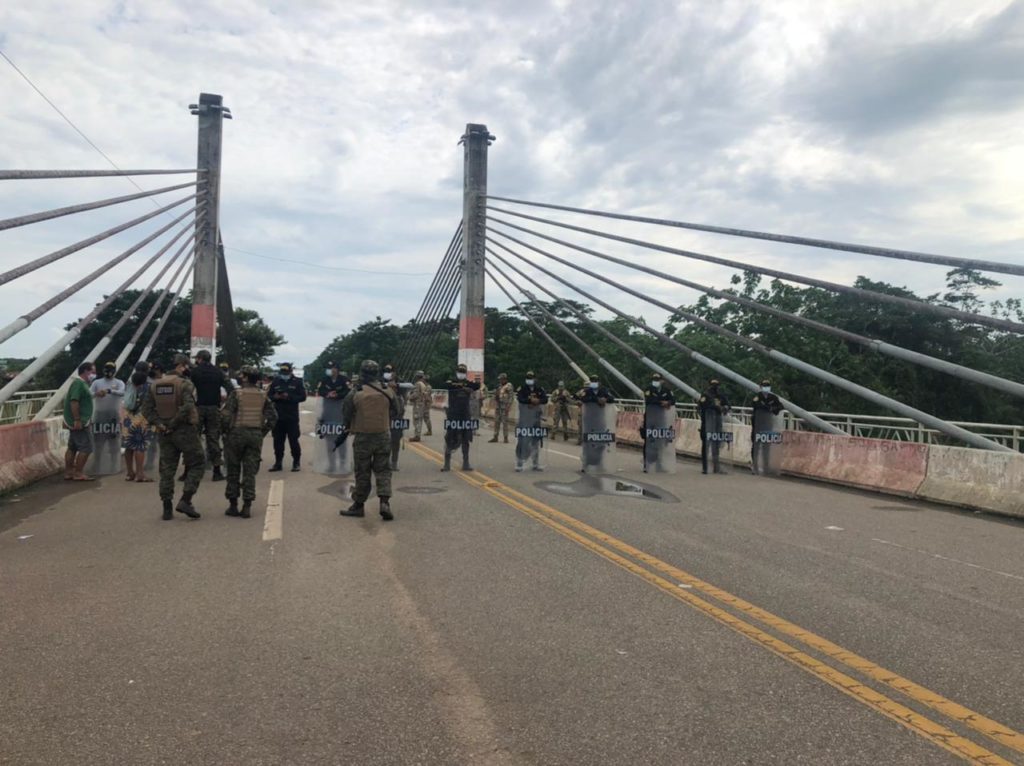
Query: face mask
[[593, 386], [460, 375], [561, 384], [529, 381], [285, 375], [655, 384], [766, 389], [90, 377], [109, 375], [388, 376]]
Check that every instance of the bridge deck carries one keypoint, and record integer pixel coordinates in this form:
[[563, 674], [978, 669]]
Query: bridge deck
[[497, 622]]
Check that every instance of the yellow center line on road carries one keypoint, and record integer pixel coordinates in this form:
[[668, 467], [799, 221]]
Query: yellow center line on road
[[925, 727]]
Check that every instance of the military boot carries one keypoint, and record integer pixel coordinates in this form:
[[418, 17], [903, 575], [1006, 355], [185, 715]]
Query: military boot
[[232, 507], [356, 509], [447, 460], [168, 510], [275, 467], [494, 440], [217, 475], [465, 458], [416, 439], [506, 439], [295, 465], [185, 506], [246, 509], [385, 509]]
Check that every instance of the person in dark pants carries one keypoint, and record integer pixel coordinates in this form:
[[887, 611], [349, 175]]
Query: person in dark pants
[[286, 392], [766, 406], [714, 406], [209, 380], [459, 418]]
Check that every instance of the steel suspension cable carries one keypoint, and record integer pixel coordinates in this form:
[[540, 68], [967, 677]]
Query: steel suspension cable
[[56, 255], [543, 333], [865, 393], [46, 215], [44, 358], [637, 391], [109, 336], [907, 303], [175, 297], [425, 325], [696, 356], [425, 348], [883, 252], [25, 320], [441, 276], [872, 344], [21, 175]]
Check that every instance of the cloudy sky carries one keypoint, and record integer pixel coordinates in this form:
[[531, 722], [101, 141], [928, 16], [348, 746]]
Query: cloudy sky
[[891, 123]]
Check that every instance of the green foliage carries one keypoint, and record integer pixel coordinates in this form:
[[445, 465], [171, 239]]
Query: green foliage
[[514, 346]]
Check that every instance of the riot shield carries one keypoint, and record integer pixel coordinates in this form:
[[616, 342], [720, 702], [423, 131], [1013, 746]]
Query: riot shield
[[766, 438], [659, 439], [399, 426], [531, 436], [330, 457], [597, 453], [152, 456], [106, 436], [714, 438], [458, 434]]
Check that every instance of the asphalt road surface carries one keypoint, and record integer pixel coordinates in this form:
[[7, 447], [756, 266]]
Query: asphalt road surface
[[732, 620]]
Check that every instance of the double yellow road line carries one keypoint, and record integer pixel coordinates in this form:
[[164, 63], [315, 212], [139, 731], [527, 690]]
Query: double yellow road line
[[654, 571]]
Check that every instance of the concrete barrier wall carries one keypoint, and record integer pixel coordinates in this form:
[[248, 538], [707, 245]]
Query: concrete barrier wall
[[30, 452], [894, 467], [991, 481]]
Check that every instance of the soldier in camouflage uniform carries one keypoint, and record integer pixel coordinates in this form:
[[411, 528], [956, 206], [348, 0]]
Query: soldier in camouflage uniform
[[248, 417], [561, 398], [170, 407], [504, 395], [420, 397], [367, 413]]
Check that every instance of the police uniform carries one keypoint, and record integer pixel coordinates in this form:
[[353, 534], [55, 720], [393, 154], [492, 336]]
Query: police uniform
[[339, 386], [713, 405], [561, 398], [286, 393], [459, 415], [655, 396], [766, 406], [248, 416], [170, 407], [504, 395], [420, 398], [367, 413], [593, 454], [208, 381], [530, 396]]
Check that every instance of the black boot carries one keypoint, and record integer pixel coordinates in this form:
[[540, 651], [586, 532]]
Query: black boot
[[185, 506], [447, 461], [276, 466], [247, 509], [295, 465], [385, 509], [356, 509], [232, 507], [168, 510], [465, 458], [217, 475]]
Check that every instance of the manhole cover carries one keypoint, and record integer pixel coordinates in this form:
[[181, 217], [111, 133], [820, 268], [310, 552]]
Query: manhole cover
[[422, 490]]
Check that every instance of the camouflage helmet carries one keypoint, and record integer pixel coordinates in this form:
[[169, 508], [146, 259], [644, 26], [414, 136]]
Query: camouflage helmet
[[369, 368], [419, 374]]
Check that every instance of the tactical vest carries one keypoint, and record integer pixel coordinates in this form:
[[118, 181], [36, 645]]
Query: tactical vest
[[250, 408], [373, 411], [167, 394]]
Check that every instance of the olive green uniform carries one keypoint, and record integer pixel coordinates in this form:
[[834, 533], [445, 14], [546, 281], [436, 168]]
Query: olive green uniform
[[367, 413], [170, 407], [504, 395], [561, 398], [248, 417]]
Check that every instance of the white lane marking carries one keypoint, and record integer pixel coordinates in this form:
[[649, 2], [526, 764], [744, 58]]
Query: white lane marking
[[272, 524], [306, 412], [564, 454], [947, 558], [835, 529]]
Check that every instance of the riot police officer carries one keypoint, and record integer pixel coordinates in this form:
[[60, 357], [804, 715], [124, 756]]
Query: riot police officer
[[659, 411], [714, 406], [459, 418], [170, 407], [594, 419], [367, 413], [398, 423], [334, 384], [762, 426], [286, 392], [529, 424]]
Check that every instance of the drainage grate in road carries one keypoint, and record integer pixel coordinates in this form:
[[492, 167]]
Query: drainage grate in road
[[588, 486]]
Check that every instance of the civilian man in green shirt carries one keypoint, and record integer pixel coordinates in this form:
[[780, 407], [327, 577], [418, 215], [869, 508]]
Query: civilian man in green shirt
[[77, 419]]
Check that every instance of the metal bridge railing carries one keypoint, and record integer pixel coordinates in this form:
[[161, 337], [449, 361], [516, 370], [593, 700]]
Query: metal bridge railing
[[22, 406]]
